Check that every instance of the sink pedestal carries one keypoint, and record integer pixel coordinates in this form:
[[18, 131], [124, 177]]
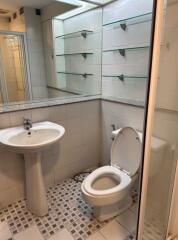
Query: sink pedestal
[[31, 144], [35, 188]]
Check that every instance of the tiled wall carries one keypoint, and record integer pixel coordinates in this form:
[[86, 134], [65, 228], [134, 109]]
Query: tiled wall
[[135, 62], [121, 116], [79, 149], [36, 53], [92, 21]]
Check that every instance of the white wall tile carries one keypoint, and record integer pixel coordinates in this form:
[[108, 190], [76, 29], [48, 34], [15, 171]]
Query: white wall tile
[[135, 63]]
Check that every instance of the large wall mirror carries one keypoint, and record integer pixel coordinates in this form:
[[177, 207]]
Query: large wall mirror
[[49, 49], [71, 49]]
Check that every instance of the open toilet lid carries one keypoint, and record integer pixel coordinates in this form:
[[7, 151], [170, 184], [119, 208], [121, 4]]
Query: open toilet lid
[[126, 150]]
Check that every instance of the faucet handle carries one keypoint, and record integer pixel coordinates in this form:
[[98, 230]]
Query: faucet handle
[[27, 121], [113, 127]]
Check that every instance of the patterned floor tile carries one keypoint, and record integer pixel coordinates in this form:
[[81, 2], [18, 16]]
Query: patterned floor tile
[[67, 210]]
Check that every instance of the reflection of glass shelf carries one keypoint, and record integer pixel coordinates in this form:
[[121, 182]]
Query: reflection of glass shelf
[[122, 77], [85, 75], [83, 54], [131, 20], [123, 50], [82, 33], [68, 90]]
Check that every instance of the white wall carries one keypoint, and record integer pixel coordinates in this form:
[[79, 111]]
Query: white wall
[[49, 52], [60, 80], [92, 21], [135, 63], [78, 150], [120, 115], [36, 53]]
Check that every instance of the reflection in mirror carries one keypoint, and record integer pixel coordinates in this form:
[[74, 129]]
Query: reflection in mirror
[[13, 67], [71, 49], [49, 50]]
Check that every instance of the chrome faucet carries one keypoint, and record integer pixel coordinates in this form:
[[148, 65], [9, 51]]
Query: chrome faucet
[[27, 123]]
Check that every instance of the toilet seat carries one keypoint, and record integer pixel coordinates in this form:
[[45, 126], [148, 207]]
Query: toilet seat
[[108, 188], [123, 181]]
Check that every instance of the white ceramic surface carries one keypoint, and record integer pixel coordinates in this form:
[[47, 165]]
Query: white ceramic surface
[[125, 159], [39, 136], [31, 143]]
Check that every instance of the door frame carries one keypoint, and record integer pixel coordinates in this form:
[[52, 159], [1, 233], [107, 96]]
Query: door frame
[[27, 78]]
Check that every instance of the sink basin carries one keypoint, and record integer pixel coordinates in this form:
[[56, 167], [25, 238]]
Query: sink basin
[[31, 143], [40, 136]]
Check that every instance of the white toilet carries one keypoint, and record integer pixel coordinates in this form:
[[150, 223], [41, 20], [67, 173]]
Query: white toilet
[[108, 188]]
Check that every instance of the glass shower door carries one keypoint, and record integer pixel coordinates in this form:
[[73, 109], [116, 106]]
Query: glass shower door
[[13, 68], [164, 126]]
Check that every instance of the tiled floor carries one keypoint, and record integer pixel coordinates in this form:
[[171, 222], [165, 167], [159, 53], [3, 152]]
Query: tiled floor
[[69, 218]]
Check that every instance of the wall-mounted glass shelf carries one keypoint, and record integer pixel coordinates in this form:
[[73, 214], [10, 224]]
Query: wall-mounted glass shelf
[[123, 50], [85, 75], [82, 33], [122, 77], [132, 20], [83, 54]]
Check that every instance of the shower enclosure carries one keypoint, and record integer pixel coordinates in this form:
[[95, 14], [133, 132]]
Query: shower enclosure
[[161, 121], [14, 74]]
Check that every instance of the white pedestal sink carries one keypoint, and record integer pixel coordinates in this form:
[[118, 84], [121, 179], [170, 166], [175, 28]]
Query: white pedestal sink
[[31, 143]]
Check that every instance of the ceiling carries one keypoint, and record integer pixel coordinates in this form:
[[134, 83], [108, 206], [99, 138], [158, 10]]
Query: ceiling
[[13, 5]]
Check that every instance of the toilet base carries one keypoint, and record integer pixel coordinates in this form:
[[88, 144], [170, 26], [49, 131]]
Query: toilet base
[[109, 211]]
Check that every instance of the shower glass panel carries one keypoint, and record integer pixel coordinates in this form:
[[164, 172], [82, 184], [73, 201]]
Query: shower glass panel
[[13, 77], [165, 127]]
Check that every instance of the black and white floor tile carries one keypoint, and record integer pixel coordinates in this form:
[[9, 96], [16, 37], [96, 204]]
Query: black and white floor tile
[[67, 210]]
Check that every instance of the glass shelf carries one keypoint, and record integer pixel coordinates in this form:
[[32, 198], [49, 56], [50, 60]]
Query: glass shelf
[[82, 33], [85, 75], [68, 90], [122, 77], [83, 54], [123, 50], [131, 20]]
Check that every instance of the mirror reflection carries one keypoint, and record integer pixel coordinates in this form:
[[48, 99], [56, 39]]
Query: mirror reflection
[[70, 49], [50, 50]]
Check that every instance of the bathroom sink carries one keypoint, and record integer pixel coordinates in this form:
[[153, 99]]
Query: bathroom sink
[[31, 143], [38, 137]]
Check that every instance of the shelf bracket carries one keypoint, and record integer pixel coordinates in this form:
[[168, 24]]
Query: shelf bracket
[[84, 34], [121, 77], [85, 75], [84, 55], [122, 52], [123, 26]]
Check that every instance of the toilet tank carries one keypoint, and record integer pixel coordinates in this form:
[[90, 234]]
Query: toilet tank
[[159, 148]]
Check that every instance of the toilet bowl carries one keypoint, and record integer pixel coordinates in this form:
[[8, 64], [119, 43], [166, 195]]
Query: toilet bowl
[[108, 188]]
